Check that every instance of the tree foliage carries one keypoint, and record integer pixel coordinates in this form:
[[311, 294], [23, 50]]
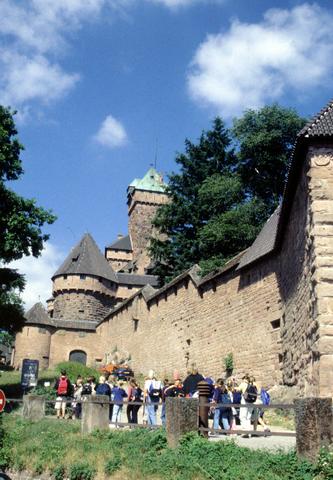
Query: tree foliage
[[265, 139], [227, 185], [21, 222]]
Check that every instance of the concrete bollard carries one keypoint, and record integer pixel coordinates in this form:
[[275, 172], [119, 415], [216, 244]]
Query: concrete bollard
[[95, 413], [314, 426], [181, 417], [33, 407]]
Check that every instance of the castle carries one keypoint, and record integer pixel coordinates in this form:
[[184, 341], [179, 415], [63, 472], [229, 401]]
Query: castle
[[271, 306]]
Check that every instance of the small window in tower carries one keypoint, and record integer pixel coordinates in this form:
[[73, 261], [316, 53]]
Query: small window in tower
[[135, 324], [65, 277], [275, 324], [82, 277], [81, 311]]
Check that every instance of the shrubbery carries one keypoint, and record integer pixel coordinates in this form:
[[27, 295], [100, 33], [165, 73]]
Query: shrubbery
[[73, 369]]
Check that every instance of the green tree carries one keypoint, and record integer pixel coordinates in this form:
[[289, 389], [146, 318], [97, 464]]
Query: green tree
[[181, 220], [220, 198], [265, 139], [21, 221]]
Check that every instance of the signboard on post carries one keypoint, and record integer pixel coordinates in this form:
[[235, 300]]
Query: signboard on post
[[2, 400], [29, 376]]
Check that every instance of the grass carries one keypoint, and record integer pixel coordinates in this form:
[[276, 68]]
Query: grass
[[57, 447], [280, 418]]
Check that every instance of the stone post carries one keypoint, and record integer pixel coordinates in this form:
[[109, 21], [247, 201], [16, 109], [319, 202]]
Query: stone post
[[95, 413], [314, 425], [33, 407], [181, 417]]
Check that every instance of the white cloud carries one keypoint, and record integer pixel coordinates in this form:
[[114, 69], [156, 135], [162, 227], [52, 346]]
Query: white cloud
[[32, 78], [38, 273], [173, 4], [252, 64], [34, 33], [111, 133]]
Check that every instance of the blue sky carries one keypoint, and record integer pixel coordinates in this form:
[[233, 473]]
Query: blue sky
[[102, 85]]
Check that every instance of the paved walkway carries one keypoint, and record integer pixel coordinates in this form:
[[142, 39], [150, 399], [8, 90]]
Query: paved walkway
[[268, 443]]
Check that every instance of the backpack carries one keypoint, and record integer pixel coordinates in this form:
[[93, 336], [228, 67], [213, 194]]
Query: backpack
[[137, 394], [237, 398], [86, 389], [265, 397], [251, 393], [155, 391], [225, 398], [62, 386]]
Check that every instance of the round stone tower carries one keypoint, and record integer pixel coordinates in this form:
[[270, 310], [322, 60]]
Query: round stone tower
[[85, 286]]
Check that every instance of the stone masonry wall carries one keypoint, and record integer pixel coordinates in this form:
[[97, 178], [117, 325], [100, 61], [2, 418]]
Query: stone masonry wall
[[184, 325], [320, 159], [65, 341], [33, 342], [83, 305], [298, 330], [142, 209]]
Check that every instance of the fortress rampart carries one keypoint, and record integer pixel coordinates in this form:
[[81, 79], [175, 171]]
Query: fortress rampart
[[271, 306]]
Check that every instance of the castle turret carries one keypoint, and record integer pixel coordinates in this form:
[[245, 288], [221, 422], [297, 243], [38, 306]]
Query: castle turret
[[84, 286], [33, 341], [144, 196]]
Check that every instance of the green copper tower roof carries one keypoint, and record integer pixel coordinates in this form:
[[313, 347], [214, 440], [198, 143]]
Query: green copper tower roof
[[152, 181]]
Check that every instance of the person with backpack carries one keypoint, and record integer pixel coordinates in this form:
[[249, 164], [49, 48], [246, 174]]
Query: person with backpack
[[134, 394], [103, 388], [89, 387], [152, 395], [249, 392], [63, 387], [117, 396]]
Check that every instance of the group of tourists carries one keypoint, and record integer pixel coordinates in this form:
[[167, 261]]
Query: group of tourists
[[226, 398]]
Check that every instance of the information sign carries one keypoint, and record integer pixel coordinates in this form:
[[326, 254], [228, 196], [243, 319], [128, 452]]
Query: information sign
[[29, 376]]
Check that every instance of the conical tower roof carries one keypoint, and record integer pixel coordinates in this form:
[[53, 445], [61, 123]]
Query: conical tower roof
[[86, 259]]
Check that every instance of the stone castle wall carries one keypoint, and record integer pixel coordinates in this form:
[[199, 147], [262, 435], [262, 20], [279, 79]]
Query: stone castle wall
[[321, 200], [142, 209], [275, 316], [74, 305], [33, 342], [65, 341]]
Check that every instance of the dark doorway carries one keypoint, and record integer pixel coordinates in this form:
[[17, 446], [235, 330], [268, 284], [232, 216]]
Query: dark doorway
[[78, 356]]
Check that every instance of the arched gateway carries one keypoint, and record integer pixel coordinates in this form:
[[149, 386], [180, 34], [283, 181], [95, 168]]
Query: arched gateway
[[78, 356]]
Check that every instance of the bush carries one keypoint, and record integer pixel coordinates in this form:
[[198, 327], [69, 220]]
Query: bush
[[324, 466], [59, 472], [74, 369], [82, 471], [112, 465]]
